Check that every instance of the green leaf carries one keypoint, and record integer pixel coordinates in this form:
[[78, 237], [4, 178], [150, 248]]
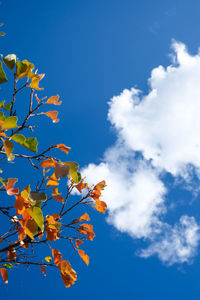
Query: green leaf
[[5, 106], [73, 171], [10, 60], [29, 143], [36, 213], [8, 146], [8, 266], [9, 123], [3, 77], [21, 68], [4, 181]]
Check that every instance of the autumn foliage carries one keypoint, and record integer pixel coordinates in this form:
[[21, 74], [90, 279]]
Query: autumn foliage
[[31, 224]]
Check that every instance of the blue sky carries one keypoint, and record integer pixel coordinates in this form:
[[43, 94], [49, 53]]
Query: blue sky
[[145, 144]]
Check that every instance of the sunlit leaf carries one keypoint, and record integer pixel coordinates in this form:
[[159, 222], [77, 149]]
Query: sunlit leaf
[[63, 148], [8, 146], [54, 100], [35, 82], [3, 77], [21, 69], [8, 266], [9, 60], [4, 274], [48, 163], [84, 256], [53, 115], [59, 198], [9, 123], [55, 192], [78, 243], [84, 217], [37, 215], [73, 170], [43, 270], [48, 259], [29, 143]]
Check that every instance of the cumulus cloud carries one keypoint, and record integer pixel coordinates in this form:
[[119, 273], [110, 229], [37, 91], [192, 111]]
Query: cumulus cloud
[[179, 243], [157, 133]]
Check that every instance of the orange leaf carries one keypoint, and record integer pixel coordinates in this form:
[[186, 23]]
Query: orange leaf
[[55, 192], [54, 100], [56, 255], [12, 255], [48, 163], [58, 198], [11, 183], [81, 185], [88, 230], [4, 274], [84, 217], [62, 147], [53, 115], [100, 186], [43, 270], [84, 256], [19, 204], [78, 243], [100, 206]]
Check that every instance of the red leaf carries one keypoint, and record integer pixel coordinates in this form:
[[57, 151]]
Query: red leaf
[[4, 274]]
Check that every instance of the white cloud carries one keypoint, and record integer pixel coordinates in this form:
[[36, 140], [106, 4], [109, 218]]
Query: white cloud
[[156, 133], [179, 243]]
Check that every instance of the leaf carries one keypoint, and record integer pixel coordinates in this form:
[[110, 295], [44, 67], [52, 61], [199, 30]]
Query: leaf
[[59, 198], [54, 100], [29, 143], [48, 259], [55, 192], [37, 215], [73, 170], [78, 243], [5, 106], [30, 228], [100, 186], [43, 270], [26, 72], [8, 146], [37, 197], [62, 147], [48, 163], [84, 217], [61, 170], [21, 69], [2, 33], [4, 274], [53, 115], [35, 82], [9, 123], [100, 206], [12, 255], [8, 266], [9, 60], [3, 77], [19, 204], [84, 256]]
